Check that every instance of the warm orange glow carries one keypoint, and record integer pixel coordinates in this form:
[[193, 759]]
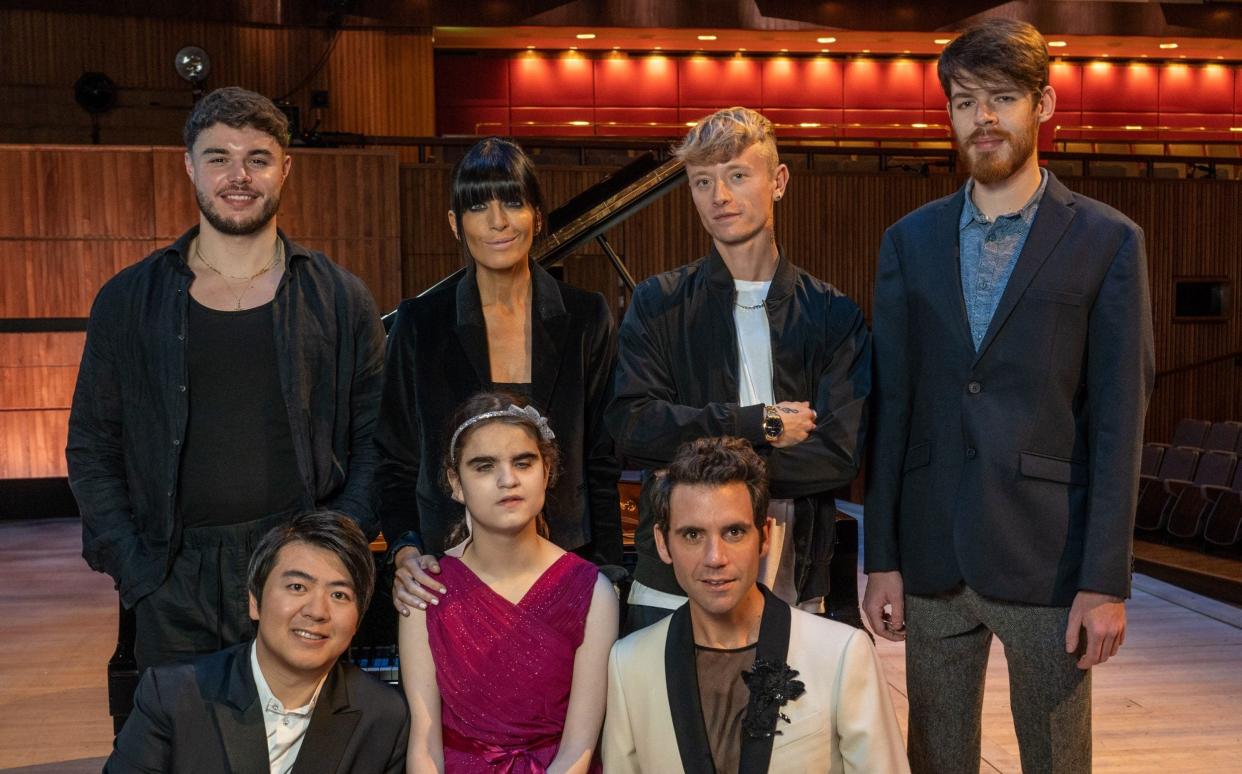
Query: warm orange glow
[[826, 40], [942, 41], [585, 36], [579, 123], [707, 37], [1168, 45], [1057, 44]]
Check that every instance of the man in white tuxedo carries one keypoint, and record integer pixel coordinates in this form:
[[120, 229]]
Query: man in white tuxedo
[[736, 680]]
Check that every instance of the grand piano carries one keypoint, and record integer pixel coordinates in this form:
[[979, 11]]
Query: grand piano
[[588, 216]]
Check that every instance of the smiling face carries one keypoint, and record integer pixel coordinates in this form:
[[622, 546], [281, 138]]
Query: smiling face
[[735, 198], [997, 126], [237, 176], [713, 545], [498, 234], [501, 477], [308, 615]]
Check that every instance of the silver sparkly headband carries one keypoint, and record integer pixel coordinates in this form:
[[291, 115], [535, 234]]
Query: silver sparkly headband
[[521, 412]]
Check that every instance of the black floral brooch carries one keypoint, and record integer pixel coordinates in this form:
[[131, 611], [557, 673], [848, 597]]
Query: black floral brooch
[[771, 684]]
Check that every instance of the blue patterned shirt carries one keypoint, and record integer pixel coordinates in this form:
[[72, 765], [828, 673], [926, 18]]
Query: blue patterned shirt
[[989, 250]]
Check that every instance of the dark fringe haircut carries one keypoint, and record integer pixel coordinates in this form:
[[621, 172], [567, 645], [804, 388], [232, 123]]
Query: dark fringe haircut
[[493, 168]]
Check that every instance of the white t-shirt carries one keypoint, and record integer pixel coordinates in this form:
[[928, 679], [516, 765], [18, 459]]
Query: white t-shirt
[[754, 343]]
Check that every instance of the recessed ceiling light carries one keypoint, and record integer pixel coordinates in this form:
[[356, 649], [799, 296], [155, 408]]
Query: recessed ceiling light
[[530, 48], [905, 51], [1057, 44], [585, 36], [742, 49], [1168, 45], [809, 124], [573, 48], [866, 51], [658, 48], [707, 37], [579, 123], [823, 51], [1105, 56], [826, 40], [942, 41]]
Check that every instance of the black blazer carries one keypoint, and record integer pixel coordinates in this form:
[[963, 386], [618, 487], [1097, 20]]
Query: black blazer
[[1014, 468], [437, 357], [205, 715]]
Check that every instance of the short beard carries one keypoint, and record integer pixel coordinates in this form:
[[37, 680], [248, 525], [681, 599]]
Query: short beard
[[237, 228], [996, 166]]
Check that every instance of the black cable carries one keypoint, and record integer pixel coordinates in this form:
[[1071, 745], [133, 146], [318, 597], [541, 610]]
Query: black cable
[[323, 60]]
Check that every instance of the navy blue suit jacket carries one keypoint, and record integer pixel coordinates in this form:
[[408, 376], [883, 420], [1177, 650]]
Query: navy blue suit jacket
[[1013, 468]]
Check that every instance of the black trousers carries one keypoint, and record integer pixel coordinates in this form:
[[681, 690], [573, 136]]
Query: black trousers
[[203, 604]]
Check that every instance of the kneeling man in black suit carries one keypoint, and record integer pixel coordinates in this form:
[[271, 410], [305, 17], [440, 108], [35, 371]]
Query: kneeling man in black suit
[[281, 703]]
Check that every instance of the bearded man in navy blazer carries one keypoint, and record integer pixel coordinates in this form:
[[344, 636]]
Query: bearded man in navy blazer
[[1014, 363], [282, 703]]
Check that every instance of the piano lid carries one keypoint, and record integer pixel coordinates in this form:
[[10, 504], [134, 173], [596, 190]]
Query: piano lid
[[599, 208]]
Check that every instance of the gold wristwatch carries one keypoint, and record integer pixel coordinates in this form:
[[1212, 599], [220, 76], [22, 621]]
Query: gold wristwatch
[[773, 425]]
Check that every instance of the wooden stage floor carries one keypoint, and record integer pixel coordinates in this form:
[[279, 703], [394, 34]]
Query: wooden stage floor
[[1169, 703]]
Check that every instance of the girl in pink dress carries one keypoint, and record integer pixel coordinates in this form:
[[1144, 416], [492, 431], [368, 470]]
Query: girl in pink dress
[[508, 672]]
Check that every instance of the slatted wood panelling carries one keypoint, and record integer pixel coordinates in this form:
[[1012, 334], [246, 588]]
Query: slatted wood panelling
[[832, 225], [72, 217], [379, 83]]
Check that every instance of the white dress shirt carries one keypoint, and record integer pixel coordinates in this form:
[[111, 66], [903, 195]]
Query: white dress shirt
[[286, 728]]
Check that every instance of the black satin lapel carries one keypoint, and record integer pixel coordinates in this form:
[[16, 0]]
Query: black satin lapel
[[773, 646], [682, 679], [331, 727], [547, 345], [244, 736], [1051, 220]]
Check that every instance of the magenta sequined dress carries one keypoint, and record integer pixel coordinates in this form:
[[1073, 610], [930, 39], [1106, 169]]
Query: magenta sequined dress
[[505, 670]]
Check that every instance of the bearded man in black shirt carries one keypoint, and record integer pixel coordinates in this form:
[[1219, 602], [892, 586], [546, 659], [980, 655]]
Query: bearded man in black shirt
[[229, 381]]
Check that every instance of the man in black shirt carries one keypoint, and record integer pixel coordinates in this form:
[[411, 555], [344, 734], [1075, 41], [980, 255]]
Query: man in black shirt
[[229, 380]]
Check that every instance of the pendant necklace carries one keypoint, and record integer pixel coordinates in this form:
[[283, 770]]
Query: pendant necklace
[[277, 258]]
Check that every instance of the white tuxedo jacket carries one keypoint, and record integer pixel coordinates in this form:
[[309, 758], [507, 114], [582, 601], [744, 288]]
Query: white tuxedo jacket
[[844, 722]]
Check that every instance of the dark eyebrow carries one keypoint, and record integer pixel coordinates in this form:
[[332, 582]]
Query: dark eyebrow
[[480, 460], [298, 574], [260, 152], [524, 456], [217, 151]]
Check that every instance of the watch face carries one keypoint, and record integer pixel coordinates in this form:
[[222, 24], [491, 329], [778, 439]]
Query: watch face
[[773, 427]]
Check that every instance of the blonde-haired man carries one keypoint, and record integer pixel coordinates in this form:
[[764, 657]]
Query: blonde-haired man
[[741, 342]]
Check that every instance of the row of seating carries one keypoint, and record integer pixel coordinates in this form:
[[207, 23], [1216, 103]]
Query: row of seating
[[1191, 490]]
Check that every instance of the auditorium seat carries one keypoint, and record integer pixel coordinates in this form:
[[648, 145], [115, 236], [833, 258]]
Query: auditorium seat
[[1179, 464], [1189, 432], [1224, 523], [1223, 436], [1190, 502], [1152, 454]]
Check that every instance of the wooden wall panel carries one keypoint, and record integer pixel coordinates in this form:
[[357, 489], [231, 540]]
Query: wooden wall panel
[[379, 83], [32, 443], [75, 192], [60, 277]]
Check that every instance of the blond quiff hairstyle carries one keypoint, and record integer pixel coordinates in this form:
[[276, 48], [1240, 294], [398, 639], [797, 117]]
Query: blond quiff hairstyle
[[725, 134]]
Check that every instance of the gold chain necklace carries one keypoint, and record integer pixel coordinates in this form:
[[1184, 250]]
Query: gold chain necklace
[[277, 258]]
